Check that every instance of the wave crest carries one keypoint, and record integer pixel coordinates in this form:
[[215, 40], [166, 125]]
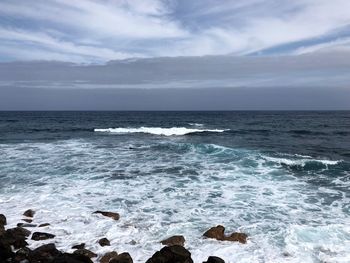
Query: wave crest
[[174, 131]]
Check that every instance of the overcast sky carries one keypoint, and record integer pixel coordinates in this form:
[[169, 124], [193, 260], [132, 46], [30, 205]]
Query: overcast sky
[[251, 45]]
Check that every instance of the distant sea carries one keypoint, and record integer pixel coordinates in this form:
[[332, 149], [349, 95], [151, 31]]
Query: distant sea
[[283, 178]]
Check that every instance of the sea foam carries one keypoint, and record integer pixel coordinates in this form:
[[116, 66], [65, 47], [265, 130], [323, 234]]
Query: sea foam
[[177, 131]]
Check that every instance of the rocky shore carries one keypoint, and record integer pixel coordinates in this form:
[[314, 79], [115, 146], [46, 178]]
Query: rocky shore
[[14, 247]]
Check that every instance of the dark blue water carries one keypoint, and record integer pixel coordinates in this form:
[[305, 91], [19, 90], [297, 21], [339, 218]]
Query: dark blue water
[[281, 177]]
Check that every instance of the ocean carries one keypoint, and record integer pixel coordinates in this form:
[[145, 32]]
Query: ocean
[[283, 178]]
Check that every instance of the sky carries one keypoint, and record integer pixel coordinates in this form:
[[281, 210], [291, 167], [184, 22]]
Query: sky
[[82, 47]]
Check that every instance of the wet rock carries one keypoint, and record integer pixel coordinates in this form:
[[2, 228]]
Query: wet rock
[[218, 232], [29, 213], [108, 256], [26, 225], [5, 250], [174, 240], [213, 259], [112, 215], [85, 252], [15, 237], [41, 236], [122, 258], [104, 242], [45, 253], [27, 220], [22, 254], [43, 225], [171, 254], [3, 220], [72, 258], [80, 246]]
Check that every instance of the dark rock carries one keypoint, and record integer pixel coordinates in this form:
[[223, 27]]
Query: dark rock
[[5, 250], [72, 258], [26, 225], [112, 215], [218, 233], [15, 237], [43, 254], [41, 236], [43, 225], [27, 220], [104, 242], [80, 246], [212, 259], [85, 252], [22, 254], [122, 258], [3, 220], [108, 256], [172, 254], [29, 213], [174, 240]]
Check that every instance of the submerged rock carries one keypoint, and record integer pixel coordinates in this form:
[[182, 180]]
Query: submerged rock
[[112, 215], [26, 225], [104, 242], [85, 252], [108, 256], [122, 258], [171, 254], [42, 236], [213, 259], [29, 213], [80, 246], [218, 233], [43, 225], [174, 240], [27, 220]]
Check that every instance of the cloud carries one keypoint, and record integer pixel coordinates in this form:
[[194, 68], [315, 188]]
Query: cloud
[[97, 31]]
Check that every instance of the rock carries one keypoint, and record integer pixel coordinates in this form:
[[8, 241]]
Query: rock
[[171, 254], [5, 250], [122, 258], [104, 242], [108, 256], [15, 237], [80, 246], [43, 225], [218, 233], [45, 253], [3, 220], [27, 220], [213, 259], [112, 215], [29, 213], [26, 225], [22, 254], [174, 240], [85, 252], [72, 258], [237, 237], [41, 236]]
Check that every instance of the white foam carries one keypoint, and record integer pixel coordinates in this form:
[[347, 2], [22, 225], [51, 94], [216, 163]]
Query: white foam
[[300, 161], [157, 130]]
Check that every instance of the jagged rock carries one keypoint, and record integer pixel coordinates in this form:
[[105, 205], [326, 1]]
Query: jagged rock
[[43, 254], [72, 258], [122, 258], [213, 259], [104, 242], [26, 225], [42, 236], [171, 254], [80, 246], [22, 254], [29, 213], [112, 215], [3, 220], [43, 225], [218, 233], [85, 252], [108, 256], [27, 220], [174, 240]]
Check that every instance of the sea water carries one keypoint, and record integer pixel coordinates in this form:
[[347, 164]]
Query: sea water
[[283, 178]]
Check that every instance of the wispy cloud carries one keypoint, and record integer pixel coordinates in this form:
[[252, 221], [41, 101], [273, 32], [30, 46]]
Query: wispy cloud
[[97, 31]]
